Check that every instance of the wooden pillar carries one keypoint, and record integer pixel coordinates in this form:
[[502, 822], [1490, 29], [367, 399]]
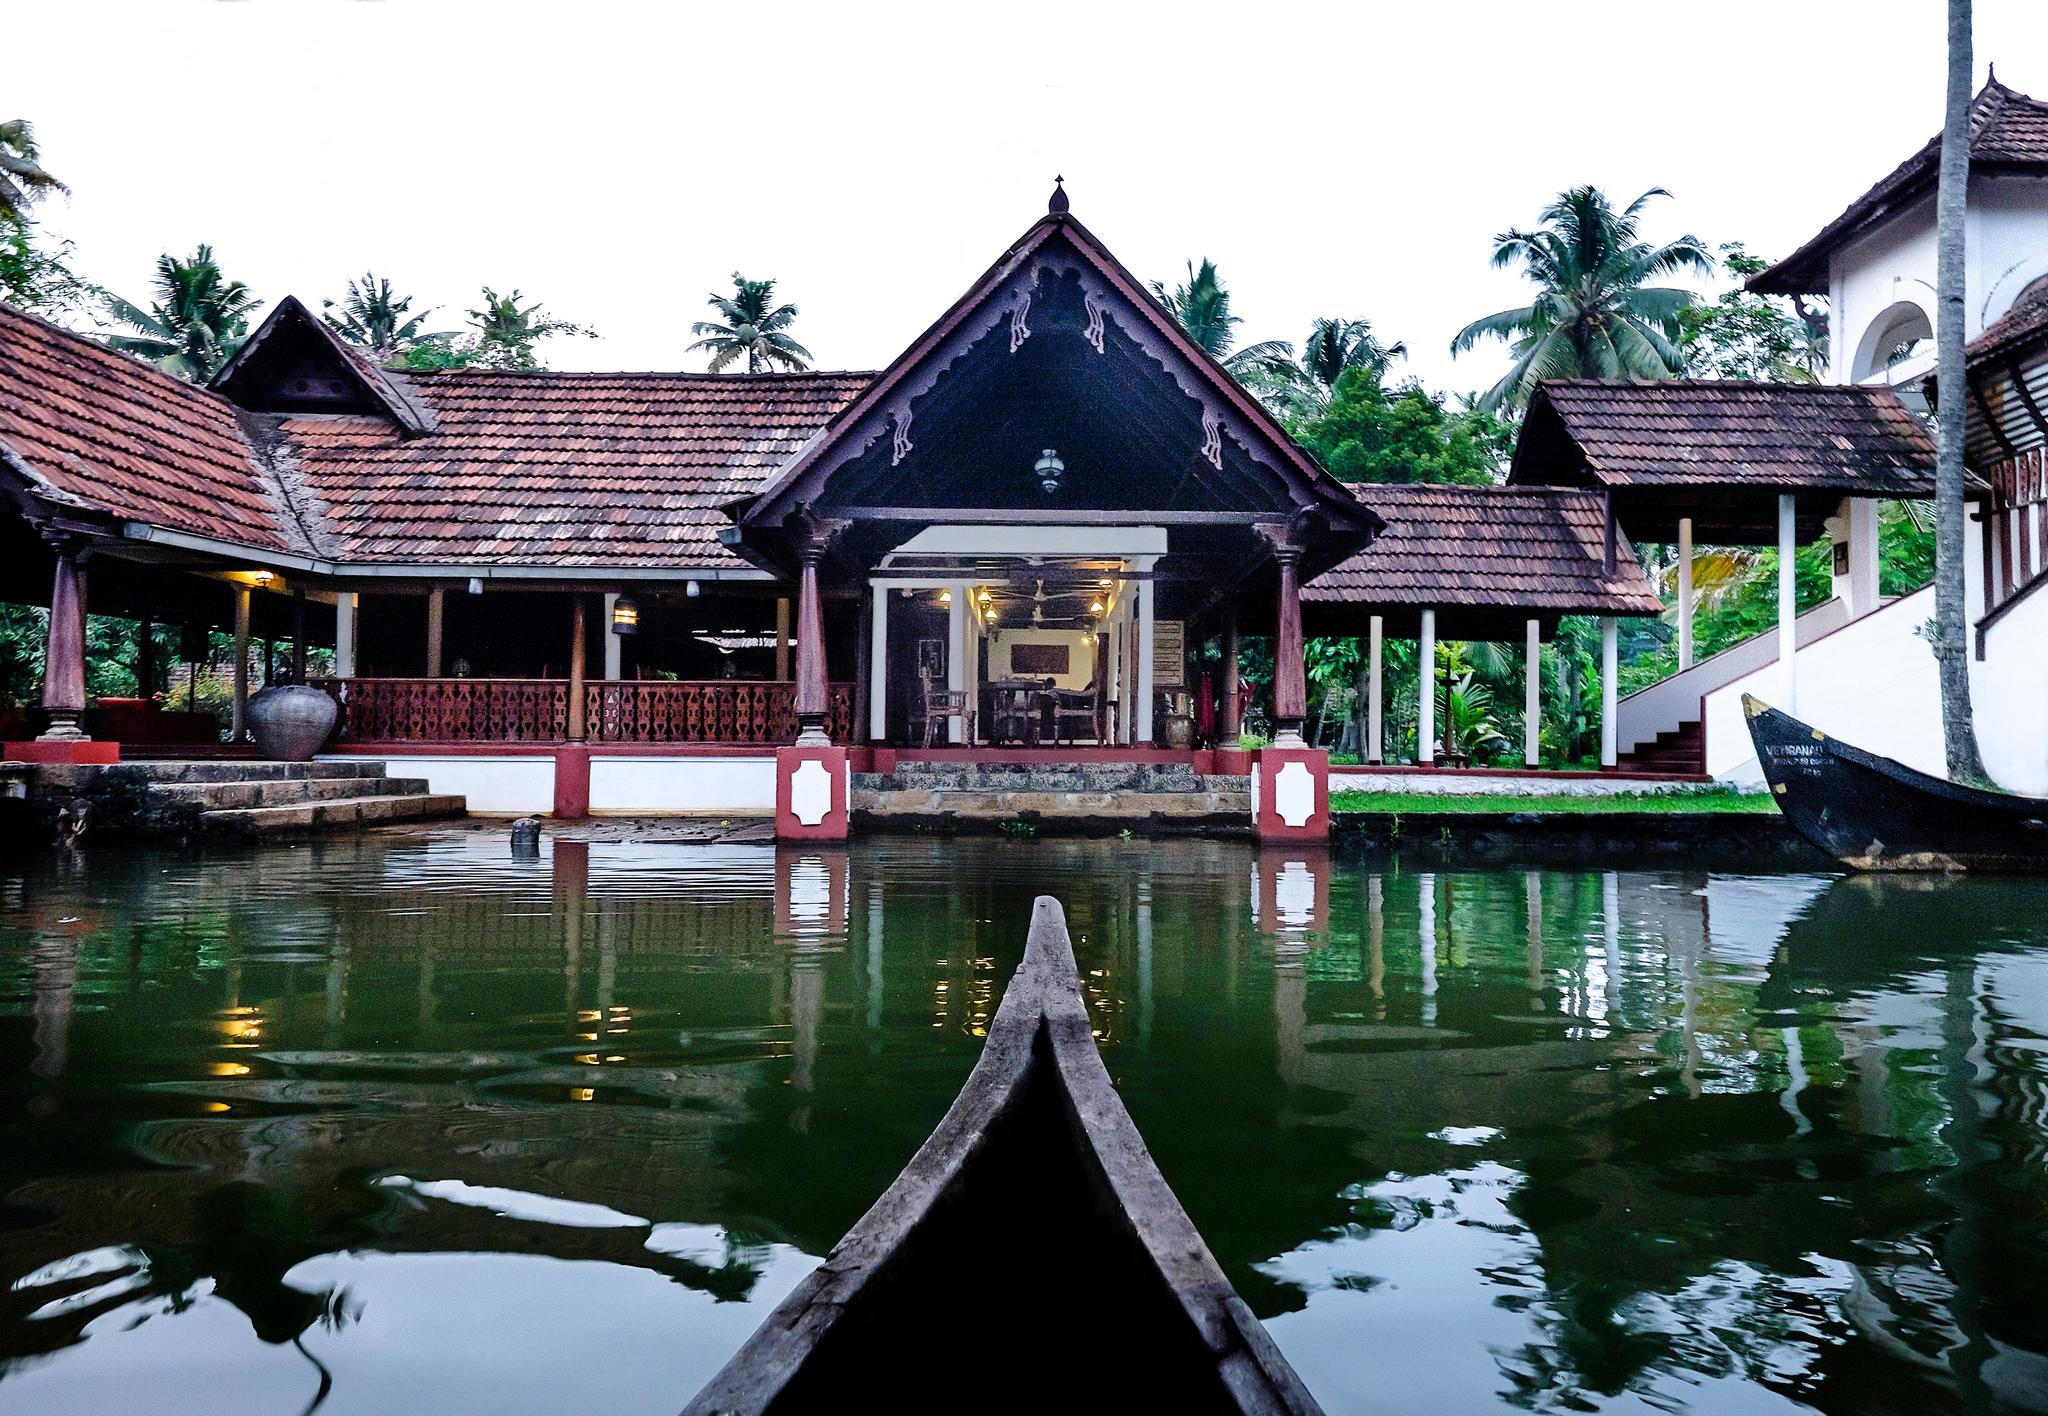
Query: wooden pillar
[[298, 634], [578, 633], [1788, 603], [238, 722], [437, 611], [345, 608], [1375, 692], [1142, 729], [782, 639], [614, 643], [1610, 694], [64, 648], [1532, 695], [1684, 593], [878, 666], [1229, 721], [811, 701], [1425, 681], [1290, 665]]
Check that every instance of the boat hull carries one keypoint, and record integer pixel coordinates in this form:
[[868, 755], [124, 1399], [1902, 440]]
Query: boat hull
[[1032, 1236], [1872, 813]]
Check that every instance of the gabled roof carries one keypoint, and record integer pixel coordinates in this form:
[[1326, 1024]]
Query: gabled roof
[[289, 340], [2008, 133], [1725, 434], [1119, 313], [549, 468], [1459, 547], [90, 430]]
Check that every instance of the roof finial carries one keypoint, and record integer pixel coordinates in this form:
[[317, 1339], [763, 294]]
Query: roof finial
[[1057, 205], [1991, 72]]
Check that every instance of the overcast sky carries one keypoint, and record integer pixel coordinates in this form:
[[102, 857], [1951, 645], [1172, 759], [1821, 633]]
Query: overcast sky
[[620, 160]]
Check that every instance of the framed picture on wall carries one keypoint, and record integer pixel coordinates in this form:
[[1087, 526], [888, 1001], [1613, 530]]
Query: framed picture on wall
[[931, 659], [1040, 660], [1169, 654]]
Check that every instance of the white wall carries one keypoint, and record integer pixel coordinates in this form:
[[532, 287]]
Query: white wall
[[2009, 690], [515, 786], [660, 786], [1080, 654], [1669, 704]]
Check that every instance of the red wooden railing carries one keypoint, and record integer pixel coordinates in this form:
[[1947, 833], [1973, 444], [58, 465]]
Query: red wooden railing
[[726, 711], [2015, 525]]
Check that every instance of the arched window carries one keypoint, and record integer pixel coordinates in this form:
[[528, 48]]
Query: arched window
[[1895, 337]]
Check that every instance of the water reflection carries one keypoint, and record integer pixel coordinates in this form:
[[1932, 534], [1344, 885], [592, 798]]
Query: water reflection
[[426, 1121]]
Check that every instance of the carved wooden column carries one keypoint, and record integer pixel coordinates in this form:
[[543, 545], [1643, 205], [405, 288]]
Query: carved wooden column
[[1229, 722], [1290, 670], [814, 537], [64, 647], [578, 632]]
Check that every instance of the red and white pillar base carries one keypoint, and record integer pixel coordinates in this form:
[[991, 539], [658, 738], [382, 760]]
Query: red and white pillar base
[[813, 792], [1291, 794]]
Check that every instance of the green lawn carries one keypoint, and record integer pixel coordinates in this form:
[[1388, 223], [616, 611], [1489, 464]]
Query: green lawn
[[1705, 799]]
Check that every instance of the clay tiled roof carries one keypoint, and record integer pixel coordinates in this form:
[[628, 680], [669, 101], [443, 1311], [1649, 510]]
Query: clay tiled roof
[[2008, 133], [101, 432], [1526, 548], [546, 468], [1724, 433]]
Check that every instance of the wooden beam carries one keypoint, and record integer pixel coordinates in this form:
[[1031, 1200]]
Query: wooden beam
[[1000, 516], [1990, 418]]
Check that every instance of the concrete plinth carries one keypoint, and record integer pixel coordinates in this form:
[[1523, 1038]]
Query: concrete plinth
[[812, 793], [1291, 794]]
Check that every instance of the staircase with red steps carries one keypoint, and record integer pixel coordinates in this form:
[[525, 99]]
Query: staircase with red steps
[[1680, 752]]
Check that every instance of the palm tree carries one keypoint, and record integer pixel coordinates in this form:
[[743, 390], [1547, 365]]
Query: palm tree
[[1201, 306], [22, 178], [1335, 345], [377, 319], [507, 331], [1593, 316], [1958, 724], [754, 327], [199, 318]]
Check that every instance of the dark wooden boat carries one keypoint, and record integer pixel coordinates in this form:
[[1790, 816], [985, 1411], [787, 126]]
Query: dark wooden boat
[[1872, 813], [1030, 1256]]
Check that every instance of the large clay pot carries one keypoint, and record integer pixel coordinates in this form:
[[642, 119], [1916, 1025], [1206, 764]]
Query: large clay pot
[[291, 720]]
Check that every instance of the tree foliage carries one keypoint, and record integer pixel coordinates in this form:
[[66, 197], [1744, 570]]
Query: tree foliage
[[1201, 306], [23, 179], [1371, 433], [195, 323], [750, 326], [1746, 336], [503, 334], [1595, 314], [36, 274], [375, 317]]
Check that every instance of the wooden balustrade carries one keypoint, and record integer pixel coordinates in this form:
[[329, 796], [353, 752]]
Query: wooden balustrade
[[725, 711], [2015, 525]]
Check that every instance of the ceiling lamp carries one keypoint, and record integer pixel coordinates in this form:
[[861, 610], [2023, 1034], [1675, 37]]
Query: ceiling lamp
[[945, 597], [985, 597], [1105, 582], [989, 614], [1049, 469], [692, 589], [625, 615], [1095, 607]]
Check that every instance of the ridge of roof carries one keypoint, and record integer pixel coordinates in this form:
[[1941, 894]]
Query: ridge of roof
[[1995, 105]]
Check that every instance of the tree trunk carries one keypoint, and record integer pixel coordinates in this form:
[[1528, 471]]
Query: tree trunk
[[1951, 653]]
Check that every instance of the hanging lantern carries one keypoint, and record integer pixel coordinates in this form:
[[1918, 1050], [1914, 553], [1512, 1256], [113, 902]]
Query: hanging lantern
[[692, 589], [1095, 607], [1049, 469], [945, 597], [990, 614], [625, 615], [984, 596]]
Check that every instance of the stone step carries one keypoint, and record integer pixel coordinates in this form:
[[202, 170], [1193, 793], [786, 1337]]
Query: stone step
[[286, 791], [1226, 807], [341, 811], [252, 771]]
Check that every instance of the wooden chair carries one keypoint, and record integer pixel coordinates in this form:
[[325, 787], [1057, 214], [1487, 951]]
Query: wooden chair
[[940, 705], [1071, 706]]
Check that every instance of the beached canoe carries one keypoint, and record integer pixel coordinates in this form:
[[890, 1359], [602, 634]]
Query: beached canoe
[[1030, 1256], [1872, 813]]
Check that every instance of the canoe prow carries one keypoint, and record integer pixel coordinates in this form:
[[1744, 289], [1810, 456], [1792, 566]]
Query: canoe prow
[[1031, 1233]]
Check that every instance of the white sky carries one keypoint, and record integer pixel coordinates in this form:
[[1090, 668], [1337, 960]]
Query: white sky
[[620, 160]]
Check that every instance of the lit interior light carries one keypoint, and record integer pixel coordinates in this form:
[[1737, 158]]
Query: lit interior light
[[626, 615], [985, 597], [945, 597]]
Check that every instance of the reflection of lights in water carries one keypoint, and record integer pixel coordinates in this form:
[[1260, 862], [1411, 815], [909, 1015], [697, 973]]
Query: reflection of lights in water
[[216, 1106], [583, 1094], [230, 1069]]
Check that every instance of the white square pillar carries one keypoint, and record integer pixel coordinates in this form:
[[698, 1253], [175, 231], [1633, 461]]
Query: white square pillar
[[1684, 593], [1532, 695], [1788, 603], [1375, 702], [345, 634], [956, 652], [1425, 678], [1610, 688], [1144, 685], [878, 668], [614, 647]]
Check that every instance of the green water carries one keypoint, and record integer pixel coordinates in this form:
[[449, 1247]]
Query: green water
[[441, 1131]]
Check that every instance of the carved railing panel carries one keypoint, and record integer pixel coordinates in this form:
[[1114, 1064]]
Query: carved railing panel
[[724, 712]]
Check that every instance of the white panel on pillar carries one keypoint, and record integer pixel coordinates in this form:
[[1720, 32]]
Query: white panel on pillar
[[1425, 678]]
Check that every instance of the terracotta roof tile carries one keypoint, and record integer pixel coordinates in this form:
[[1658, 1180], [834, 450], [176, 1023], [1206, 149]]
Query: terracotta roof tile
[[110, 434], [1728, 433], [561, 468], [2008, 130], [1532, 548]]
